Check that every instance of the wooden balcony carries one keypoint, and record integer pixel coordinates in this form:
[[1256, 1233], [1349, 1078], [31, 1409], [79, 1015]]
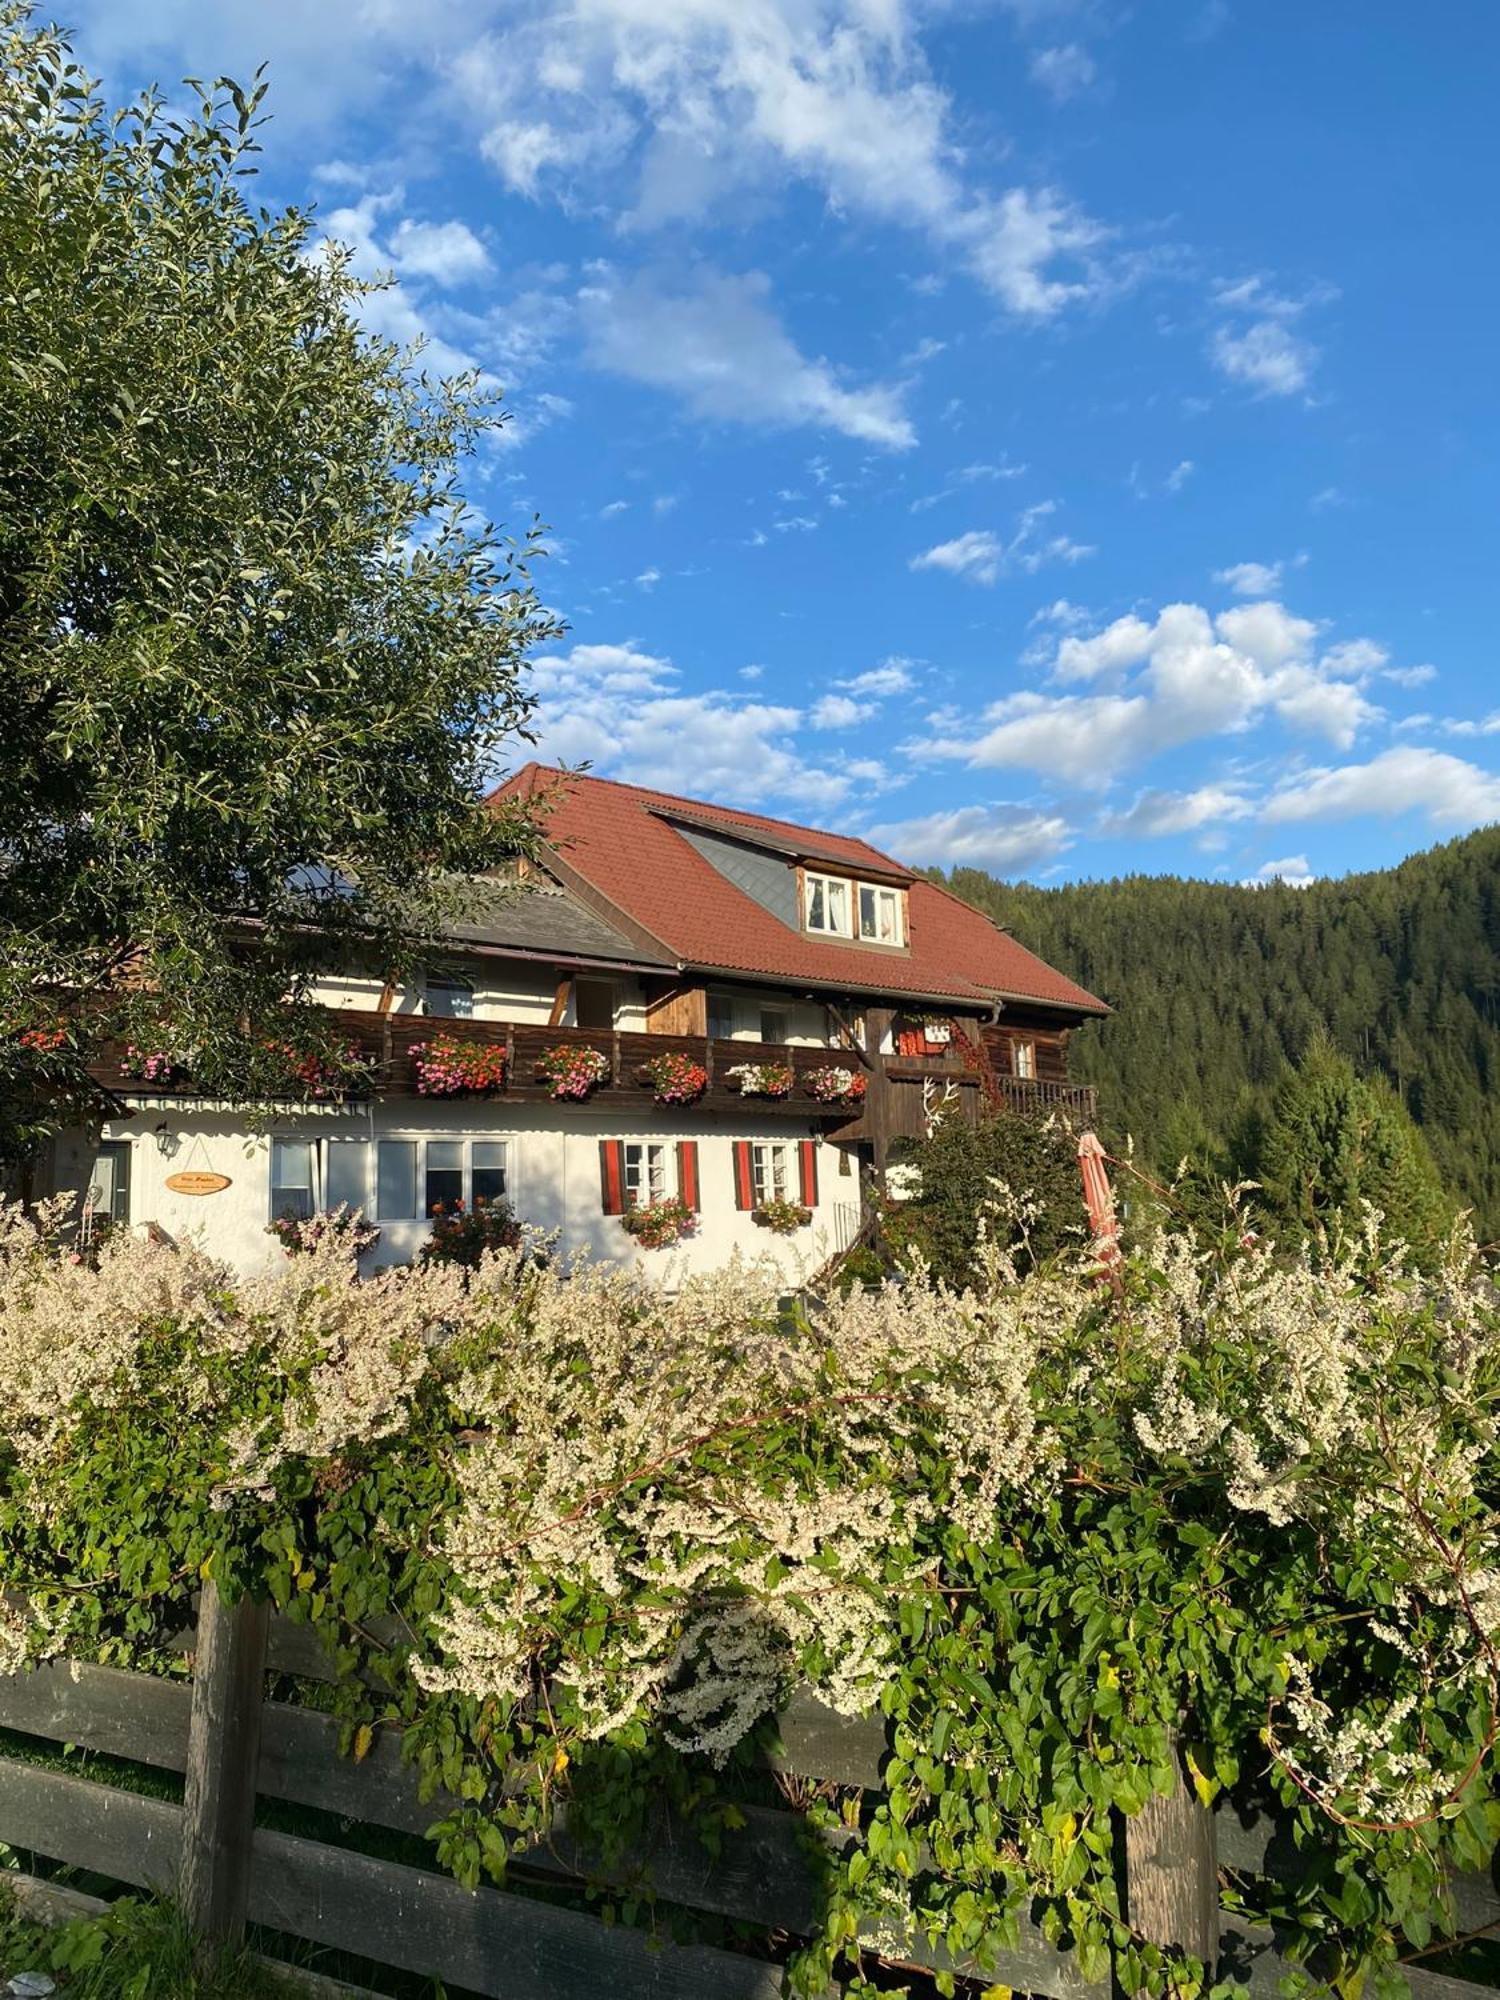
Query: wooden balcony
[[1029, 1097]]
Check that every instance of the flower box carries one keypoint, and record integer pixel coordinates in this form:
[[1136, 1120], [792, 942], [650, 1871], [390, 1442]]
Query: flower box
[[836, 1085], [762, 1079], [448, 1067], [659, 1224], [674, 1079], [573, 1072], [784, 1218]]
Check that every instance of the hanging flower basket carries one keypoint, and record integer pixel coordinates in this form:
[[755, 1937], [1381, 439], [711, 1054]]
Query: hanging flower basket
[[674, 1079], [784, 1218], [331, 1074], [835, 1085], [448, 1067], [763, 1079], [659, 1224], [573, 1072]]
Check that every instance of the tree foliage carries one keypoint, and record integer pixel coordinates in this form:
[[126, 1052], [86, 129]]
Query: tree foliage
[[257, 655], [1218, 988], [1016, 1176]]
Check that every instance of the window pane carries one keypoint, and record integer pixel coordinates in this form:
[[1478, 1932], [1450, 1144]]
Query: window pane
[[656, 1171], [890, 917], [721, 1016], [108, 1191], [452, 997], [773, 1024], [291, 1177], [445, 1174], [489, 1170], [769, 1165], [348, 1174], [817, 919], [838, 907], [1023, 1058], [398, 1179]]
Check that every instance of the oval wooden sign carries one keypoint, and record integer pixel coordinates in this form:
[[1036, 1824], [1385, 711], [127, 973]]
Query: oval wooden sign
[[197, 1183]]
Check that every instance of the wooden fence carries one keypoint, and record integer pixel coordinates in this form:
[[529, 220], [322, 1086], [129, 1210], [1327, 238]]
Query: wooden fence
[[233, 1746]]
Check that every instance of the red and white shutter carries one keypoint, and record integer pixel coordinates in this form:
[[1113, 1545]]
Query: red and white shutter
[[612, 1175], [807, 1163], [687, 1174], [744, 1175]]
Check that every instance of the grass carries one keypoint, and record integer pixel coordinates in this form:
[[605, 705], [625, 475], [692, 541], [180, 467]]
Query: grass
[[137, 1950]]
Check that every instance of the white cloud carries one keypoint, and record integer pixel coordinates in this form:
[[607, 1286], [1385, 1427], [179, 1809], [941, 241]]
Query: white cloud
[[976, 554], [837, 711], [648, 579], [714, 340], [1064, 71], [1007, 839], [1265, 355], [1267, 632], [620, 709], [447, 252], [893, 676], [1293, 872], [1251, 579], [1180, 474], [1410, 677], [1486, 725], [981, 556], [1160, 813], [608, 513], [1451, 794], [1124, 644]]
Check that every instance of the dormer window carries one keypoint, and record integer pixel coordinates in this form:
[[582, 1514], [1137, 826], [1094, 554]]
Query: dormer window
[[827, 904], [862, 912]]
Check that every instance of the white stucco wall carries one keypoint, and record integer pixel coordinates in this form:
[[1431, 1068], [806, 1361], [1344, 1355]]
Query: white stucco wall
[[553, 1166]]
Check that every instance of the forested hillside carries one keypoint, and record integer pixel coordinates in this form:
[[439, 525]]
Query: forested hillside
[[1218, 987]]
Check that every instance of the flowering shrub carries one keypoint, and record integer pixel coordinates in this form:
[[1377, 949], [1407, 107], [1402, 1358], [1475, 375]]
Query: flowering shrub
[[784, 1217], [1253, 1501], [835, 1086], [322, 1074], [660, 1223], [299, 1235], [465, 1236], [573, 1072], [448, 1067], [45, 1041], [763, 1079], [675, 1079]]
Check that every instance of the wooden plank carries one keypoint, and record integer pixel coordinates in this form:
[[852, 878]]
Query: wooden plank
[[94, 1827], [1172, 1869], [818, 1743], [101, 1708], [497, 1945], [223, 1749]]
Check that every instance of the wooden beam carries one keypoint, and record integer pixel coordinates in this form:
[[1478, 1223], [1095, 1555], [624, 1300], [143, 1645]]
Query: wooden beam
[[218, 1801], [560, 1000], [1172, 1870]]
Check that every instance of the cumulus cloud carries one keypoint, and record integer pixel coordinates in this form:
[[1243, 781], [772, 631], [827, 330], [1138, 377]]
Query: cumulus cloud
[[447, 252], [713, 339], [1266, 356], [1064, 71], [1293, 872], [1251, 579], [837, 711], [1157, 813], [1449, 792], [1006, 839], [892, 676], [621, 710], [1182, 677]]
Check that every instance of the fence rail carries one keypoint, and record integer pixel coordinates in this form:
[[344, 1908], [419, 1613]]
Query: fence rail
[[232, 1747]]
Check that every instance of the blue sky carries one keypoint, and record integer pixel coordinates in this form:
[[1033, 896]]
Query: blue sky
[[1053, 435]]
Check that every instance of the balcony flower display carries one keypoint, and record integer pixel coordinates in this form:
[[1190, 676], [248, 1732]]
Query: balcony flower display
[[297, 1234], [675, 1079], [763, 1079], [317, 1074], [658, 1224], [448, 1067], [573, 1072], [462, 1235], [835, 1085], [785, 1218], [44, 1041], [153, 1065]]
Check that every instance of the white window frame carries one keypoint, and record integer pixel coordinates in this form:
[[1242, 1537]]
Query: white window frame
[[652, 1170], [467, 1141], [449, 983], [812, 880], [1023, 1059], [773, 1171], [120, 1152], [320, 1146], [882, 893]]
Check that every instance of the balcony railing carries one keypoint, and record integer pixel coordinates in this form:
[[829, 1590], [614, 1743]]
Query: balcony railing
[[1032, 1098]]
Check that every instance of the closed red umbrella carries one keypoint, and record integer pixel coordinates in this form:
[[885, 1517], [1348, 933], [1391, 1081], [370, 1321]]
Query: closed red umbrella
[[1100, 1202]]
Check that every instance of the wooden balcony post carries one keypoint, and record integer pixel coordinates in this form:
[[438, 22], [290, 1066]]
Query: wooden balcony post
[[218, 1801], [1172, 1869]]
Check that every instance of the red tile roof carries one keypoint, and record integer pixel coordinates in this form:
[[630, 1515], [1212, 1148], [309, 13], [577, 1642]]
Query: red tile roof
[[620, 839]]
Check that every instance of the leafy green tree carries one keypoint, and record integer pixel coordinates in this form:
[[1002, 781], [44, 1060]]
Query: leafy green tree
[[1336, 1140], [960, 1165], [258, 656]]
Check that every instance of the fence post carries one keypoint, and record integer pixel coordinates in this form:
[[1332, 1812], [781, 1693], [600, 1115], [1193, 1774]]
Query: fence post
[[1172, 1869], [218, 1805]]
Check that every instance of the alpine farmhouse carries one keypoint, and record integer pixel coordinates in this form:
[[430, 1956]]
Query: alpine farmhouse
[[819, 999]]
